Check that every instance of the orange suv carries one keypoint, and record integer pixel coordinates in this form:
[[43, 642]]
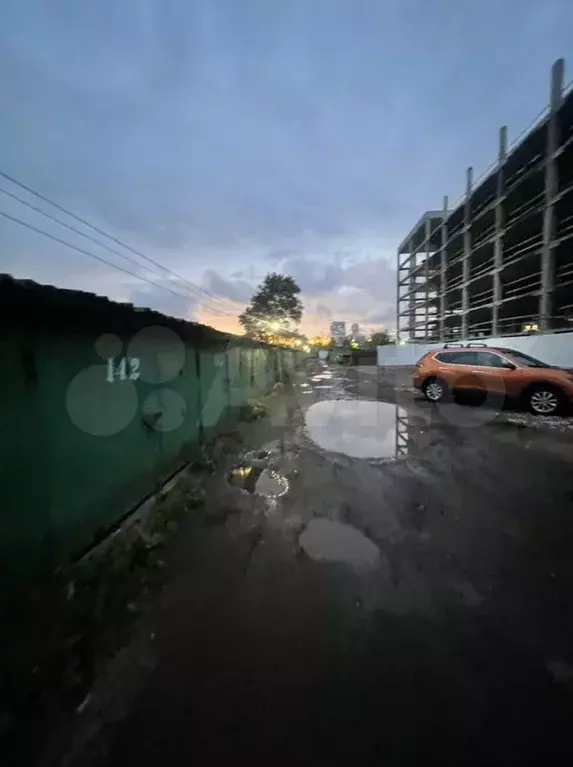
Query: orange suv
[[497, 371]]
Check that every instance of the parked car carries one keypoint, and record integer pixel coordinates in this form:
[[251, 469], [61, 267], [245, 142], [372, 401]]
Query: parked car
[[497, 370]]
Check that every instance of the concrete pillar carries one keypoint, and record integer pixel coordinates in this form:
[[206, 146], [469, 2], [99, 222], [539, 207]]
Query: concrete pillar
[[443, 264], [427, 233], [467, 254], [499, 227], [411, 286], [551, 189], [398, 288]]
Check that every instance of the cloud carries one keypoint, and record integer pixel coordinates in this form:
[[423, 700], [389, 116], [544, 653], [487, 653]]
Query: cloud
[[374, 276], [276, 255], [236, 290], [388, 316], [161, 300], [244, 142], [323, 311], [313, 276], [361, 290]]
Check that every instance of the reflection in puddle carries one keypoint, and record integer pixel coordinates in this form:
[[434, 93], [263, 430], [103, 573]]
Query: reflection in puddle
[[271, 484], [244, 477], [359, 428], [334, 542], [258, 481], [326, 384]]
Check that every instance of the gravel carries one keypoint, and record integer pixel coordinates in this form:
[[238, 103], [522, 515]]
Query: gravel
[[554, 422]]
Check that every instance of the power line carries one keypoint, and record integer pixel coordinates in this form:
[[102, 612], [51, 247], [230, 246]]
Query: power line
[[88, 237], [93, 255], [110, 236]]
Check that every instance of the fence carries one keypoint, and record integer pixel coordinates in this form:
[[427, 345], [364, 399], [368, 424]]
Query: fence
[[101, 403], [553, 348]]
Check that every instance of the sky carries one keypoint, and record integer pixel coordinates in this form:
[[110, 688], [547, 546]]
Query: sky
[[224, 139]]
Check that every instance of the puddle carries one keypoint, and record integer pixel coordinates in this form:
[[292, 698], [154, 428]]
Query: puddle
[[328, 541], [271, 484], [358, 428], [258, 481]]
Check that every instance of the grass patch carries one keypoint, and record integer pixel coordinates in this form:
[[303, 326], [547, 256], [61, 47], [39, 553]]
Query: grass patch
[[253, 410]]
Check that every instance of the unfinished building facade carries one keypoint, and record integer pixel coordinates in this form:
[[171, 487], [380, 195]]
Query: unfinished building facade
[[501, 261]]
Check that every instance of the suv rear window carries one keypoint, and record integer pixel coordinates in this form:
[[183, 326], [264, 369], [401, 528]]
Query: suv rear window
[[458, 358], [525, 359]]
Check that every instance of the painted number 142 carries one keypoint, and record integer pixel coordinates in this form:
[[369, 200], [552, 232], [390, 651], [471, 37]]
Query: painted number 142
[[122, 369]]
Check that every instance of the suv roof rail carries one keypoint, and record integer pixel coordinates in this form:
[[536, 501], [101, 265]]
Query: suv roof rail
[[476, 344], [453, 346]]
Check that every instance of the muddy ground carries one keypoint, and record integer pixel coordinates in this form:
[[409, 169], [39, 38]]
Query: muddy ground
[[374, 580]]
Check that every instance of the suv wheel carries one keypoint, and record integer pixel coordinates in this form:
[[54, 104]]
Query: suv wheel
[[544, 400], [435, 390]]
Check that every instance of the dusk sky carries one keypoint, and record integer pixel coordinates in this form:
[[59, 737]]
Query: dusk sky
[[227, 138]]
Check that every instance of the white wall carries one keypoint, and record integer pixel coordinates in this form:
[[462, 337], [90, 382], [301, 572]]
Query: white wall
[[553, 348]]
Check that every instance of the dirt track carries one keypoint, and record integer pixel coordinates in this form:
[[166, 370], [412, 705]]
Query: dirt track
[[411, 608]]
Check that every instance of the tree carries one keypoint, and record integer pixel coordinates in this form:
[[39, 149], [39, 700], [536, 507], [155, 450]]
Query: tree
[[275, 309], [378, 339]]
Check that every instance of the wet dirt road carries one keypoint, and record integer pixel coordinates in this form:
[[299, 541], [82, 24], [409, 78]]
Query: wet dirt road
[[377, 582]]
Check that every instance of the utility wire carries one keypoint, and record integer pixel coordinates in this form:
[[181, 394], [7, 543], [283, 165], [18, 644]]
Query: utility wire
[[93, 255], [110, 236], [91, 239]]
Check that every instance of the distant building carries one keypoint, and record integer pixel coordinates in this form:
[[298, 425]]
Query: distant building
[[338, 332], [355, 334]]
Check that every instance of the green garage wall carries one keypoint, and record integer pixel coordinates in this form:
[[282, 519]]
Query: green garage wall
[[78, 451]]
